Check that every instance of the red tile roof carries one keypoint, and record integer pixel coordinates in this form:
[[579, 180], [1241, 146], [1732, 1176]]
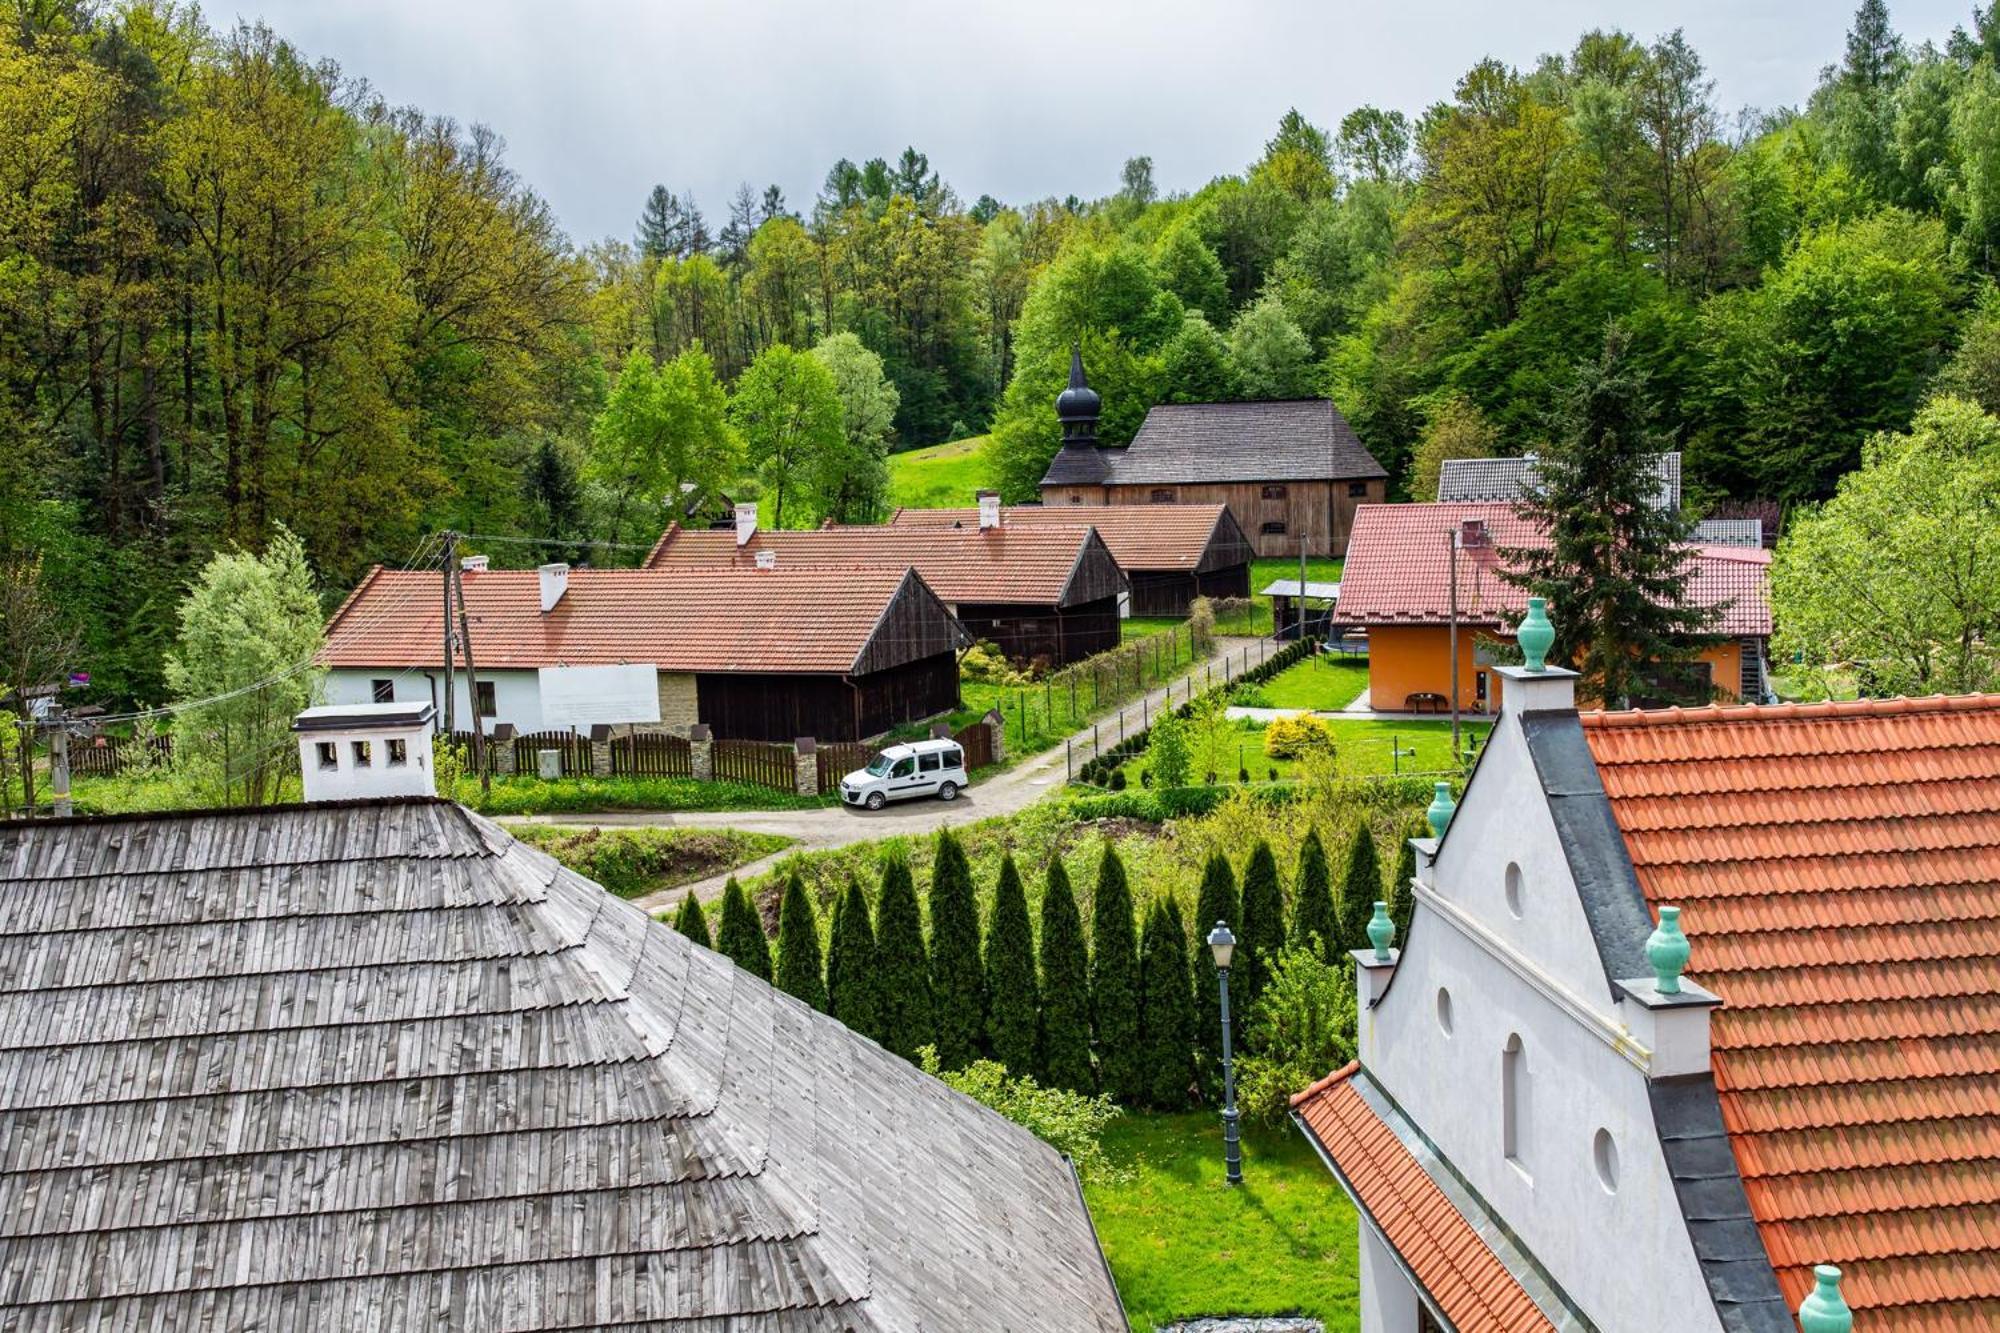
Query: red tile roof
[[1030, 566], [793, 620], [1396, 572], [1151, 538], [1457, 1268], [1838, 871]]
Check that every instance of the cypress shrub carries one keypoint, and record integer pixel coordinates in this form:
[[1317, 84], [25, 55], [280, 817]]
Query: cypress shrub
[[692, 922], [1166, 1011], [1114, 982], [1315, 924], [1360, 886], [958, 982], [902, 968], [1216, 902], [852, 977], [1263, 932], [1401, 901], [1065, 1029], [799, 961], [1012, 1002], [739, 936]]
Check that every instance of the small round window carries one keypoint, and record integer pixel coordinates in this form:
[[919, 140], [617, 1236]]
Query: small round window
[[1604, 1155], [1513, 889], [1444, 1011]]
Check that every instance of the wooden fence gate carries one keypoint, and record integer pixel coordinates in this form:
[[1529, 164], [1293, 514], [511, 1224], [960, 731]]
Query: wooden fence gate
[[763, 763], [839, 759], [977, 742], [652, 755], [572, 746]]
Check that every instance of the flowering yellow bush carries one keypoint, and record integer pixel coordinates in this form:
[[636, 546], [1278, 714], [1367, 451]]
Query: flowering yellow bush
[[1295, 737]]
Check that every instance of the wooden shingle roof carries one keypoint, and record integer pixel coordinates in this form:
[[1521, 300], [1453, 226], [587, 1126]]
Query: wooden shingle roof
[[379, 1066], [1291, 439]]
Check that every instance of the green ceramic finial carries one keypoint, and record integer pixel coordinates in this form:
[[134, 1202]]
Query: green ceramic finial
[[1667, 951], [1536, 635], [1442, 809], [1823, 1310], [1381, 932]]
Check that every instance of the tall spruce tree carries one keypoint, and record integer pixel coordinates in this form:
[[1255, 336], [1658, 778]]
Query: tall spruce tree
[[1013, 1003], [800, 968], [1315, 924], [739, 936], [692, 922], [1166, 1010], [1065, 1029], [853, 980], [909, 1020], [958, 981], [1217, 901], [1263, 935], [1360, 888], [1616, 565], [1114, 982]]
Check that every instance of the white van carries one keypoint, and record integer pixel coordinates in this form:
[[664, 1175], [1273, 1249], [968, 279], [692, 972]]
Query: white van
[[921, 768]]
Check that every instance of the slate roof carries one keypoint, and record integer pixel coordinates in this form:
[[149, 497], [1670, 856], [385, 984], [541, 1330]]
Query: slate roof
[[1729, 532], [1042, 565], [379, 1066], [1463, 480], [1294, 439], [1396, 574], [796, 619], [1838, 871], [1421, 1208], [1190, 538]]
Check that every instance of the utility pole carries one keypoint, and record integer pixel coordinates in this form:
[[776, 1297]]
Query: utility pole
[[1451, 563], [471, 677], [59, 760], [450, 649]]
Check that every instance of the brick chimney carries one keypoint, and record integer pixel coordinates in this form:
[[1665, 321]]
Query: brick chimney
[[555, 582]]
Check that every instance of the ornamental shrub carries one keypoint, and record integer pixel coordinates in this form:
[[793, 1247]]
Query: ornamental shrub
[[1072, 1123], [1315, 923], [853, 978], [740, 935], [1295, 737], [1301, 1029], [692, 922], [1217, 901], [1065, 989], [800, 969], [958, 979], [1114, 983], [1013, 1003], [1167, 751], [902, 966], [1360, 887], [1166, 1011], [1263, 933]]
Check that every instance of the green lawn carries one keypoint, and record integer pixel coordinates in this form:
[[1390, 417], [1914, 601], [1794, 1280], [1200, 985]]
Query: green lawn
[[1363, 747], [1323, 682], [1182, 1243], [942, 476], [1262, 572], [1138, 627]]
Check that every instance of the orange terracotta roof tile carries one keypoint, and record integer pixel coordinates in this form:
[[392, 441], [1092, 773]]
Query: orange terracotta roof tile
[[1150, 538], [1838, 870], [1469, 1282]]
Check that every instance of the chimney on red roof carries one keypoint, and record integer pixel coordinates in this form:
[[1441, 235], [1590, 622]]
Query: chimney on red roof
[[473, 564], [767, 559], [989, 510], [1472, 535], [555, 582], [746, 523]]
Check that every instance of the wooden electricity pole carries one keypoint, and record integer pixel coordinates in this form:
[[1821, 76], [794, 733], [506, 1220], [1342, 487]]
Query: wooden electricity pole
[[471, 675], [450, 649]]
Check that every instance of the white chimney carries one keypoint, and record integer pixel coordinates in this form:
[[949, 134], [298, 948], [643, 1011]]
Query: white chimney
[[767, 559], [350, 752], [473, 564], [555, 582], [989, 510], [746, 523]]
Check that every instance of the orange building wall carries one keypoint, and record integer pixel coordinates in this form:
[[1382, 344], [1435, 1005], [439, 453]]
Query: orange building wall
[[1413, 659]]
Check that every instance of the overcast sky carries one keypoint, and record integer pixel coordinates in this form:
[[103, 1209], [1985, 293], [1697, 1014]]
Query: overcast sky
[[1022, 99]]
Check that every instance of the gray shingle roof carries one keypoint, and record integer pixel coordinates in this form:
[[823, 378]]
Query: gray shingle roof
[[1297, 439], [1078, 465], [1729, 532], [1480, 480], [381, 1066]]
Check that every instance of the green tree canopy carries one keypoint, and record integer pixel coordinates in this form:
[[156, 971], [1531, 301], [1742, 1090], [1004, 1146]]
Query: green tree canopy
[[1166, 1011], [1216, 901], [788, 407], [1270, 356], [849, 484], [661, 429], [1262, 934]]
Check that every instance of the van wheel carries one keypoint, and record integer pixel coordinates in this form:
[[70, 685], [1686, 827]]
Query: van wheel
[[948, 792], [875, 799]]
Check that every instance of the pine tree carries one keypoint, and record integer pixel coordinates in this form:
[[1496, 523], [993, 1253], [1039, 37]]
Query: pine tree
[[799, 962], [1360, 888], [740, 936], [692, 922], [901, 965], [1013, 1005], [1114, 982], [1263, 934], [1402, 901], [958, 984], [1216, 902], [1065, 1032], [853, 979], [1166, 1011], [1315, 924]]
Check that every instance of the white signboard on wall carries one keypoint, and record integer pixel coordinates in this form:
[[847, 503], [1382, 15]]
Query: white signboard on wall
[[583, 696]]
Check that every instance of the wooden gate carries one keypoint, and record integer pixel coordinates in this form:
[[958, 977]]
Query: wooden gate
[[652, 755], [572, 746], [977, 742], [763, 763], [839, 759]]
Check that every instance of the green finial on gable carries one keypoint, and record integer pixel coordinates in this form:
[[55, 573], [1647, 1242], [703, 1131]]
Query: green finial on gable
[[1823, 1310], [1667, 951], [1381, 932], [1536, 635], [1441, 810]]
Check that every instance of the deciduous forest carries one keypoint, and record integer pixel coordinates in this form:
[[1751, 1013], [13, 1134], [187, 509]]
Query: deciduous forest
[[240, 294]]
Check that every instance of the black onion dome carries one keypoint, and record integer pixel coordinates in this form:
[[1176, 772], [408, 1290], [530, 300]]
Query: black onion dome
[[1079, 402]]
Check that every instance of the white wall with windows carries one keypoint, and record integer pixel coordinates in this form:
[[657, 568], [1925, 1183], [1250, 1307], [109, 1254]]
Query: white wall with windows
[[360, 758], [509, 696]]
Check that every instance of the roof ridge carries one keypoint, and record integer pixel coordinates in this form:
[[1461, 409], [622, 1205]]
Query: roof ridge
[[1340, 1075], [1901, 705]]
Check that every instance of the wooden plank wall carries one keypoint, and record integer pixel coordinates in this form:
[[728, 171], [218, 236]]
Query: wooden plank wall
[[1321, 513]]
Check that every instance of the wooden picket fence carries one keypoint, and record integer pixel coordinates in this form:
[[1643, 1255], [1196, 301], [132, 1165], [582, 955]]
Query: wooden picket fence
[[839, 758], [108, 756], [763, 763], [572, 746], [977, 742], [651, 755]]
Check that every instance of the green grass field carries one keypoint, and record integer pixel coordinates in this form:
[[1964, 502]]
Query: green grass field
[[942, 476], [1182, 1243], [1363, 747], [1325, 682], [1138, 627]]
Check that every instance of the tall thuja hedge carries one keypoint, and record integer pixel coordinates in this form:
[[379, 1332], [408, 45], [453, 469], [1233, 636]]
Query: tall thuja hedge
[[1315, 924], [1360, 887], [1216, 902], [1012, 1003], [1114, 982], [692, 922], [1166, 1011], [1402, 902], [800, 965], [1065, 1030], [1263, 934], [739, 936], [853, 978], [958, 980], [902, 967]]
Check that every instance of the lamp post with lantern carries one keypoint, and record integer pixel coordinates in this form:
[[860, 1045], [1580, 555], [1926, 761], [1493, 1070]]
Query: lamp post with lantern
[[1223, 945]]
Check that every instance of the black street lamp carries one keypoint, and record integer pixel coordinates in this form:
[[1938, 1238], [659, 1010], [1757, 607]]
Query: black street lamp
[[1223, 945]]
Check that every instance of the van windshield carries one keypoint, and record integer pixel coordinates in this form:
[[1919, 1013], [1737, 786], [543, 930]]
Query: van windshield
[[879, 767]]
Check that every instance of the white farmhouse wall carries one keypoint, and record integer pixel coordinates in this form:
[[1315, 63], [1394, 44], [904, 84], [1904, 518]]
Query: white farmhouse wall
[[1388, 1301], [1612, 1252], [516, 694]]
